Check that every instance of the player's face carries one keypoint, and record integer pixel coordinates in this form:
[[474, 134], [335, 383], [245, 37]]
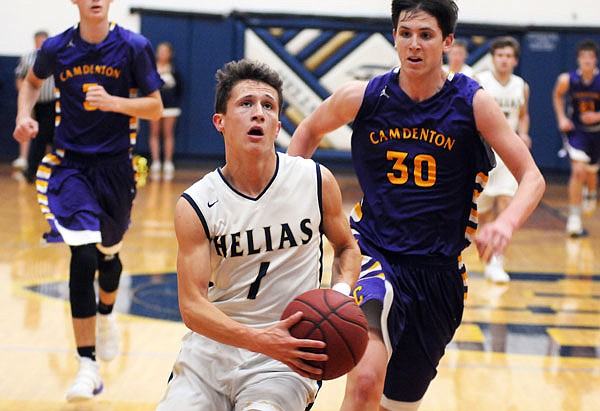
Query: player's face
[[252, 118], [93, 9], [504, 60], [419, 42], [457, 56], [587, 60]]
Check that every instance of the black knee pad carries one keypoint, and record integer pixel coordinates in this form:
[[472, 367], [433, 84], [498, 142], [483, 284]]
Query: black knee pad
[[84, 262], [109, 271]]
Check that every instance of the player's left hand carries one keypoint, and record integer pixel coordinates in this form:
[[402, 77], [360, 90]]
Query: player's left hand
[[97, 97], [589, 117], [492, 239]]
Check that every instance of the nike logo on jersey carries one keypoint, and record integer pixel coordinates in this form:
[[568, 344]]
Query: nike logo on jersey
[[209, 204]]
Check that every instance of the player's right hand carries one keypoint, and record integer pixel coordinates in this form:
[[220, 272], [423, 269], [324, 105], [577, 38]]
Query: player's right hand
[[564, 124], [277, 342], [25, 129]]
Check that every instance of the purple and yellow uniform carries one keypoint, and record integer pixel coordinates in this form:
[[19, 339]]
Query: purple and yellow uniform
[[86, 186], [421, 167], [584, 98]]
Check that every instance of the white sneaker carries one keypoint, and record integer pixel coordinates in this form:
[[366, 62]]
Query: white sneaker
[[155, 169], [107, 337], [494, 270], [168, 171], [20, 164], [87, 382], [574, 226]]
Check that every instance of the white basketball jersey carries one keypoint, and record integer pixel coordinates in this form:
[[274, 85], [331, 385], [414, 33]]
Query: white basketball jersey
[[266, 250], [465, 69], [510, 97]]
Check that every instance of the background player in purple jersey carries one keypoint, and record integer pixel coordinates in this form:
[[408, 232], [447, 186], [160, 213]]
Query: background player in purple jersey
[[581, 123], [421, 164], [86, 186]]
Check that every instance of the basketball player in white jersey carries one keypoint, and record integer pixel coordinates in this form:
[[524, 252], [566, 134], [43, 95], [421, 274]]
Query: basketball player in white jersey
[[250, 240], [512, 94], [456, 58]]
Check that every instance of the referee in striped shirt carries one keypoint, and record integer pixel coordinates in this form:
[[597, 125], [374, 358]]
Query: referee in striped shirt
[[44, 110]]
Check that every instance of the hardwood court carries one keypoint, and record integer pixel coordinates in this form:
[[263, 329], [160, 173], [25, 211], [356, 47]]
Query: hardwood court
[[531, 345]]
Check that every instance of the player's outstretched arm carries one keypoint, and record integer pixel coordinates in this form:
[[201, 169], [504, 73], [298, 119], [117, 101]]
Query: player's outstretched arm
[[201, 316], [337, 110]]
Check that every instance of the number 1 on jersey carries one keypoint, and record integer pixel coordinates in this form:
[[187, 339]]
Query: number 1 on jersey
[[262, 271]]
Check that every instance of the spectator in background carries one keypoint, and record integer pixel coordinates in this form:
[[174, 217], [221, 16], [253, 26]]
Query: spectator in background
[[44, 111], [581, 125], [170, 93], [511, 93], [456, 58]]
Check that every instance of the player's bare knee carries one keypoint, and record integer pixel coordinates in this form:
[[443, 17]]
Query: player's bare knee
[[109, 250], [366, 385], [578, 170], [592, 168]]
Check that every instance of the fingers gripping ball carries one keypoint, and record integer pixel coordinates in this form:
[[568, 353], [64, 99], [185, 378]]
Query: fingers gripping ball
[[334, 318]]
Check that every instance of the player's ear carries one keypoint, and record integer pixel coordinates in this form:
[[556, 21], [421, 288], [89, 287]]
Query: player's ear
[[219, 122], [448, 40]]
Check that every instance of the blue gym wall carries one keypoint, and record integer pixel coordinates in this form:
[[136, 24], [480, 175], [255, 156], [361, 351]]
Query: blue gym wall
[[204, 42]]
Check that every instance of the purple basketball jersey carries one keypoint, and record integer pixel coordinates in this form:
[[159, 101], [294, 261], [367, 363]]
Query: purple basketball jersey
[[420, 166], [583, 97], [123, 64]]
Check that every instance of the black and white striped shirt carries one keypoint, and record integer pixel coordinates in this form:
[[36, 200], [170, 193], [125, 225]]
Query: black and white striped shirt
[[47, 93]]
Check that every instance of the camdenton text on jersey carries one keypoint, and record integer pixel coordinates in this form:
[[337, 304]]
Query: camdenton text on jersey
[[90, 69], [416, 133]]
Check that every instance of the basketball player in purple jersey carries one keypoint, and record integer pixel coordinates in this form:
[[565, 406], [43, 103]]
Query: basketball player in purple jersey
[[581, 123], [421, 164], [86, 186]]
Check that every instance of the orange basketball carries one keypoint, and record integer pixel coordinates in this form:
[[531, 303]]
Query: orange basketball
[[334, 318]]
